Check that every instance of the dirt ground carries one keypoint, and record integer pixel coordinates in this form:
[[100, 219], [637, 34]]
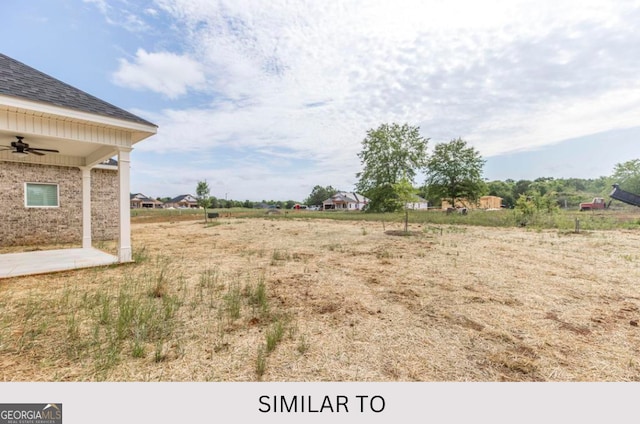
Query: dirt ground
[[363, 303]]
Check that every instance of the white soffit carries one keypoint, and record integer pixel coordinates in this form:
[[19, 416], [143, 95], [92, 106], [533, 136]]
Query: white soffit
[[138, 131]]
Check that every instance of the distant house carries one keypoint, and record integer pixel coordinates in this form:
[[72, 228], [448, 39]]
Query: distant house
[[182, 201], [347, 201], [484, 202], [139, 201], [417, 203]]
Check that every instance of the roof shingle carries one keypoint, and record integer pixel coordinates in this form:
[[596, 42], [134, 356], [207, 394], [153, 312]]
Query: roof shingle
[[20, 80]]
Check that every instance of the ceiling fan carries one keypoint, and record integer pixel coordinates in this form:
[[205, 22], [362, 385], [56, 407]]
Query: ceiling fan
[[21, 148]]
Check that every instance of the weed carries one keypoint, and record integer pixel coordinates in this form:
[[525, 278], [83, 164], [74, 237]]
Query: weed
[[220, 343], [209, 278], [261, 362], [106, 357], [274, 335], [257, 295], [170, 305], [159, 354], [303, 344], [384, 254], [140, 255], [73, 331], [104, 311], [126, 307], [233, 301], [279, 256], [137, 351], [160, 287]]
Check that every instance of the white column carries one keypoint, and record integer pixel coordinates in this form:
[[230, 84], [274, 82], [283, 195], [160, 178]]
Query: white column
[[124, 172], [86, 207]]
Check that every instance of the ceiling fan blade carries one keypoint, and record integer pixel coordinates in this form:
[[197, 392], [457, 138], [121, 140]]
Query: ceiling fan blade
[[34, 152], [31, 149]]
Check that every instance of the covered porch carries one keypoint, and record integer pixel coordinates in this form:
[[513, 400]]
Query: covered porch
[[52, 136]]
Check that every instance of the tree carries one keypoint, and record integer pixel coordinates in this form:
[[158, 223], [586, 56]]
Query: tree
[[389, 153], [405, 194], [319, 194], [455, 171], [503, 189], [203, 196], [521, 187], [627, 175]]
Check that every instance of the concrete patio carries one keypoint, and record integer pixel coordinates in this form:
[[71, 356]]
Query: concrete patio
[[46, 261]]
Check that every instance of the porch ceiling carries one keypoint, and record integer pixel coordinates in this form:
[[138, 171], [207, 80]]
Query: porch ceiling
[[65, 146]]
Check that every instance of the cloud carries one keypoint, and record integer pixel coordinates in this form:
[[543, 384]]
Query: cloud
[[167, 73], [310, 78], [119, 13], [102, 5]]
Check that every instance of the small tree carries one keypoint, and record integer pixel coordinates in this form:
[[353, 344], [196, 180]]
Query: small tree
[[530, 205], [203, 196], [455, 171], [405, 193]]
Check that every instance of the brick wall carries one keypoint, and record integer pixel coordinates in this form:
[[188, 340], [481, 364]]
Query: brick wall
[[104, 204], [20, 225]]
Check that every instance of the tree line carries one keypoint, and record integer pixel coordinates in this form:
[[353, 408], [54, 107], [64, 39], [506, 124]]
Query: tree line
[[393, 155]]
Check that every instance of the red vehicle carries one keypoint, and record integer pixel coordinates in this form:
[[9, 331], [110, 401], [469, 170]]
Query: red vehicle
[[597, 203]]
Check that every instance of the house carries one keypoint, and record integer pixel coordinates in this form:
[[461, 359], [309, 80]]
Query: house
[[182, 201], [139, 200], [484, 202], [346, 201], [57, 181], [417, 203]]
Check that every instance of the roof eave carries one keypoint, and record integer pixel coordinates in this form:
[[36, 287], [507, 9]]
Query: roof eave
[[139, 131]]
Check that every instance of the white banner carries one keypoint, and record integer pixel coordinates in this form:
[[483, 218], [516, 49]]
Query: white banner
[[98, 403]]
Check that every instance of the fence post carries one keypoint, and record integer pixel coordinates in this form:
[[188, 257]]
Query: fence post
[[577, 226]]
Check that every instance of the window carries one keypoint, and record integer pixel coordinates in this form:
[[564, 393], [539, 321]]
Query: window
[[37, 195]]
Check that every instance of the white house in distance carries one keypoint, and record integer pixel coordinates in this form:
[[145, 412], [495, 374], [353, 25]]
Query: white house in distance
[[346, 201], [417, 203], [55, 181], [182, 201], [139, 201]]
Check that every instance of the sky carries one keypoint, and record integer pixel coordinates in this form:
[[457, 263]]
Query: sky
[[266, 99]]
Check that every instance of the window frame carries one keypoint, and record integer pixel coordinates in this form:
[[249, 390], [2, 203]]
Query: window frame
[[26, 195]]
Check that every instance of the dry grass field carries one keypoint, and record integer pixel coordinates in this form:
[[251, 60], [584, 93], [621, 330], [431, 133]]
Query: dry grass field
[[323, 300]]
